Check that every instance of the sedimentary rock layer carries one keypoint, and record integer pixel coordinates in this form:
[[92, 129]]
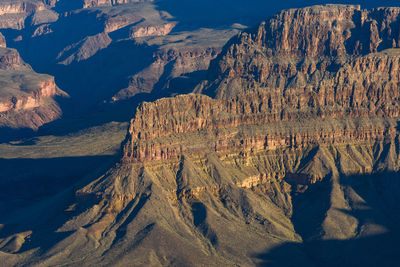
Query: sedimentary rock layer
[[306, 51], [26, 97], [94, 3]]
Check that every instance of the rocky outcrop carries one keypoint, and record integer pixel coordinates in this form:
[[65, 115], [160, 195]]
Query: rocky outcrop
[[26, 97], [10, 59], [263, 78], [152, 30], [196, 125], [13, 14], [42, 30], [84, 49], [2, 41], [45, 89], [94, 3], [301, 102], [114, 23]]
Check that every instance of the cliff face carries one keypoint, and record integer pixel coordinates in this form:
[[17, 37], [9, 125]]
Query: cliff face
[[45, 89], [306, 99], [196, 125], [94, 3], [29, 107], [153, 30], [26, 97], [13, 14], [10, 59], [318, 48], [302, 65]]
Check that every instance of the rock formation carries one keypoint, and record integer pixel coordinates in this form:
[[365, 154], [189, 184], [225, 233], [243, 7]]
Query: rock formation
[[14, 14], [262, 78], [94, 3], [26, 97]]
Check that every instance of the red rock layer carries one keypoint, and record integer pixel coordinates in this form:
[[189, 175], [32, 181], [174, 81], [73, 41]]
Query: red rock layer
[[36, 97], [26, 97], [198, 124]]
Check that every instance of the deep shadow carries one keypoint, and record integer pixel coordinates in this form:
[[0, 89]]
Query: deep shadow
[[379, 250], [24, 181], [199, 212], [104, 74], [380, 206], [11, 134], [33, 190], [67, 5], [41, 51], [310, 207], [381, 194], [183, 84]]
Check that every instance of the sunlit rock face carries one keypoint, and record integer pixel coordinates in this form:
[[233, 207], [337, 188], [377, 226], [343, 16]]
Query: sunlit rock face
[[26, 97]]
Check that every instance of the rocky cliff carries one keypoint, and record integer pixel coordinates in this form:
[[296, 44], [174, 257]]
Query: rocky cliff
[[26, 97], [165, 129], [94, 3], [15, 14], [317, 47], [263, 77]]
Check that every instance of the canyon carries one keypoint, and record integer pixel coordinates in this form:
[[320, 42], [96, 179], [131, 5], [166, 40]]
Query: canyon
[[273, 145]]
